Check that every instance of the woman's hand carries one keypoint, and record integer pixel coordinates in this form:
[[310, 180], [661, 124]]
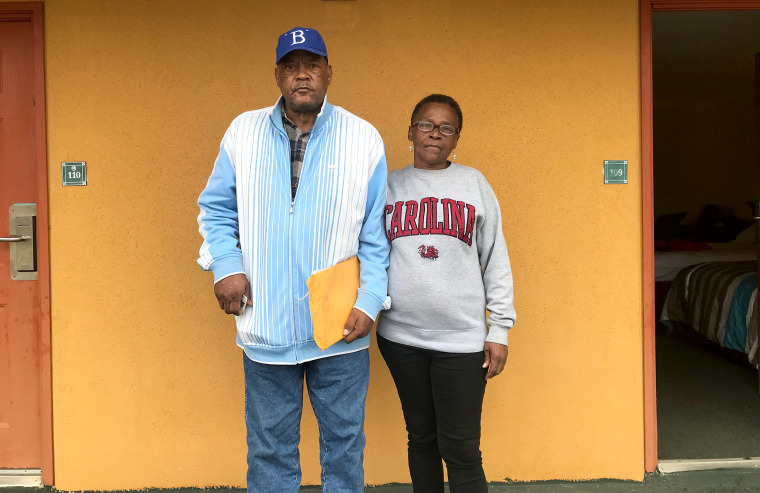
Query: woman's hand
[[496, 358]]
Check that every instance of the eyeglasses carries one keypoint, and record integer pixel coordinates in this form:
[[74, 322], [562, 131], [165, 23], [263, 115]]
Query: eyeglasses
[[428, 127]]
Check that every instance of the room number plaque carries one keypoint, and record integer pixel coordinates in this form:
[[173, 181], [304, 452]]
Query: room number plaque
[[74, 173], [615, 171]]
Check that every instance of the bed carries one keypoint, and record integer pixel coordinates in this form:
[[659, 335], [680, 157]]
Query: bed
[[667, 263], [718, 300], [673, 255], [711, 240]]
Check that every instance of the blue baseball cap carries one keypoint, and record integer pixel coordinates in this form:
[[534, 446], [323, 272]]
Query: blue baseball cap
[[300, 38]]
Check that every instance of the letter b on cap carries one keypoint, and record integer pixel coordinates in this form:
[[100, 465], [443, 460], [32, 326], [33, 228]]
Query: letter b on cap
[[298, 38]]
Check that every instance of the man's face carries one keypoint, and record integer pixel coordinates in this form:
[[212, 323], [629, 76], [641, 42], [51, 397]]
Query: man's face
[[303, 78]]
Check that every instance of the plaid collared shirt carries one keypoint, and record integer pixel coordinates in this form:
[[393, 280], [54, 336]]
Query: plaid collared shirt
[[298, 141]]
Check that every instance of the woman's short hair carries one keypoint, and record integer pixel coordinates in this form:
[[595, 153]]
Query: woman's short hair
[[439, 98]]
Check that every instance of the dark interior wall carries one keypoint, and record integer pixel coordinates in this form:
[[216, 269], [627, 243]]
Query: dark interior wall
[[704, 150]]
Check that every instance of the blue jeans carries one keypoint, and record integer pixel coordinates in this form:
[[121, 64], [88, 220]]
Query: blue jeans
[[337, 387]]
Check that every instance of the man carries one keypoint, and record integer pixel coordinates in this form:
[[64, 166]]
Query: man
[[296, 188]]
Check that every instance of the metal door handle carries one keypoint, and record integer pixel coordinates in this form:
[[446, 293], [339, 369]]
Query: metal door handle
[[22, 236]]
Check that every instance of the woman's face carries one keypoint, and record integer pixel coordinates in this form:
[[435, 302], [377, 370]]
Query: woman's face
[[432, 149]]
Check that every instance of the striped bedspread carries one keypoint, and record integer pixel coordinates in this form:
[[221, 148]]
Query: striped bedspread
[[719, 300]]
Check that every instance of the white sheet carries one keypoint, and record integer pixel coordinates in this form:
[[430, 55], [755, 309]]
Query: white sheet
[[667, 264]]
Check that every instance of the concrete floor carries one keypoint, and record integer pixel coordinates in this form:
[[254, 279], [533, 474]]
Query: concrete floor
[[742, 480]]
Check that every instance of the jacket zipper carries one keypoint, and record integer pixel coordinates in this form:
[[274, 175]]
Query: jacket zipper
[[290, 241], [290, 265], [290, 251]]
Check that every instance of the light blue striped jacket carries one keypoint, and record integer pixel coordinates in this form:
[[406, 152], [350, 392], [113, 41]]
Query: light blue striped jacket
[[250, 225]]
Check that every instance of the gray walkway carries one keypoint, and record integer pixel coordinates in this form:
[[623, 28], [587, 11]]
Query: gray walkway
[[691, 482]]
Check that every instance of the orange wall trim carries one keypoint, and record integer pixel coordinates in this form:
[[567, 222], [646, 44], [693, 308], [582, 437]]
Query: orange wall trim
[[647, 196]]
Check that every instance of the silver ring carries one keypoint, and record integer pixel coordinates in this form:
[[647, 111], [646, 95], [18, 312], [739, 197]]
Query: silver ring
[[243, 300]]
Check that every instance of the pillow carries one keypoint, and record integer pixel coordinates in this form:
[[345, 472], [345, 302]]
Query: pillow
[[747, 236], [666, 226]]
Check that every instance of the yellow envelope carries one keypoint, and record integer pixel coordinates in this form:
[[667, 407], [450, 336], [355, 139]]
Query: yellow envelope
[[332, 294]]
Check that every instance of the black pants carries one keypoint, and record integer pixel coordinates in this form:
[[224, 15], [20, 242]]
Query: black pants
[[442, 399]]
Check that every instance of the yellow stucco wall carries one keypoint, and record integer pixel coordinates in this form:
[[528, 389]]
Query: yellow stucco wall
[[147, 380]]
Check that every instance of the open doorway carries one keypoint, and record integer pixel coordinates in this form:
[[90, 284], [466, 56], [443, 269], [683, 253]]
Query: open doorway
[[704, 166]]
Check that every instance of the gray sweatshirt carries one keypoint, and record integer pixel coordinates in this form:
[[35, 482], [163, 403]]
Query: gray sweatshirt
[[449, 261]]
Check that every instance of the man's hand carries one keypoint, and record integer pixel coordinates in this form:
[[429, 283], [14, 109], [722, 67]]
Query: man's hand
[[230, 291], [357, 326], [496, 358]]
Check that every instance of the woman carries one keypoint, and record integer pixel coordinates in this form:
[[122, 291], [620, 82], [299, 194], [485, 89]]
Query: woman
[[448, 265]]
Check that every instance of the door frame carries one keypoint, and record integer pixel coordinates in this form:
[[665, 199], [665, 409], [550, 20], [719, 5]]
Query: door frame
[[647, 183], [33, 12]]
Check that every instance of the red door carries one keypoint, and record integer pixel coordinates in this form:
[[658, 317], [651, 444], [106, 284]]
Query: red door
[[25, 431]]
